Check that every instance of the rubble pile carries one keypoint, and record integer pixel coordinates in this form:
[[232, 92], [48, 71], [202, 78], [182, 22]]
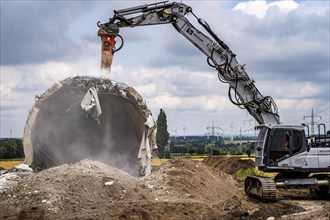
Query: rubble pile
[[90, 189], [179, 189]]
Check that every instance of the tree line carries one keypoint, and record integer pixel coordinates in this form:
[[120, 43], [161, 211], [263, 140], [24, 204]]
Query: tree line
[[11, 148], [196, 145], [210, 148]]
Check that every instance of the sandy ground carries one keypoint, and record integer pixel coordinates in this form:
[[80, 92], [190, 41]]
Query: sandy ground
[[179, 189]]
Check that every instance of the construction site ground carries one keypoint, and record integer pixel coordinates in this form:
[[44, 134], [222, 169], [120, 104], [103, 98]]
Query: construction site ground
[[178, 189]]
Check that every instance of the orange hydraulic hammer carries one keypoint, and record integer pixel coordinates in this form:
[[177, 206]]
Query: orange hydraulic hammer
[[108, 36]]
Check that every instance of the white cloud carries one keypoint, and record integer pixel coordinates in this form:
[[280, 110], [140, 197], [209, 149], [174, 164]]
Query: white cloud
[[196, 103], [295, 104], [260, 8], [149, 90], [314, 7], [20, 84], [290, 89]]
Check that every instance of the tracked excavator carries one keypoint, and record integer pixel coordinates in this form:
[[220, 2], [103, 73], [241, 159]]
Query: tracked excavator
[[301, 159]]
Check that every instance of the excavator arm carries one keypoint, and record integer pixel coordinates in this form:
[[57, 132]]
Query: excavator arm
[[242, 90]]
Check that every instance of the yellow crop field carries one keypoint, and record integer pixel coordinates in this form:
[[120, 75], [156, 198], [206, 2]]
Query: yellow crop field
[[8, 164], [157, 161], [248, 158]]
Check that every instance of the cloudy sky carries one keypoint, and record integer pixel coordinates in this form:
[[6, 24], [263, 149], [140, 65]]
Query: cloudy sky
[[284, 44]]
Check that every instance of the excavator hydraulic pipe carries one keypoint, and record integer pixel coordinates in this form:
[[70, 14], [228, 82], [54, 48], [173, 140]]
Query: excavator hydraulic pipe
[[144, 8]]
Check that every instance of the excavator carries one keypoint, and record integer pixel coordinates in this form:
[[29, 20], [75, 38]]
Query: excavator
[[301, 159]]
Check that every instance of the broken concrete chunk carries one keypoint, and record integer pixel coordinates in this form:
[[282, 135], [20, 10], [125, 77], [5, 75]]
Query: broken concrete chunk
[[22, 168], [58, 132]]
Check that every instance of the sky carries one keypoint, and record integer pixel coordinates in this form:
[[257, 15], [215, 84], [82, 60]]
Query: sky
[[284, 44]]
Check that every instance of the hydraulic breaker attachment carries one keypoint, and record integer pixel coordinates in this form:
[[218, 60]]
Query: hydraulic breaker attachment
[[108, 43], [108, 34]]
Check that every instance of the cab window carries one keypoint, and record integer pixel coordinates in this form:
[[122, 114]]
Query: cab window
[[280, 140], [297, 141]]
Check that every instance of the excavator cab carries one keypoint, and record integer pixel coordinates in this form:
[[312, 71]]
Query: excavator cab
[[277, 143], [283, 143], [287, 149]]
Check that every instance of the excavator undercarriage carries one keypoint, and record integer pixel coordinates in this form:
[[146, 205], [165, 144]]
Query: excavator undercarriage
[[260, 188], [264, 188]]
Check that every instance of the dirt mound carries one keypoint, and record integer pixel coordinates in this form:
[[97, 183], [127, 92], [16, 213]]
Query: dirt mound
[[179, 189], [189, 179], [90, 189], [229, 165], [68, 191]]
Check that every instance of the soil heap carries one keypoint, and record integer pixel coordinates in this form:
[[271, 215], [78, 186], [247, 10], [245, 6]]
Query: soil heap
[[180, 189], [229, 165]]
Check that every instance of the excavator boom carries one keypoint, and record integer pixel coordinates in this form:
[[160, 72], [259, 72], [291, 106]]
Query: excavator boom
[[242, 90]]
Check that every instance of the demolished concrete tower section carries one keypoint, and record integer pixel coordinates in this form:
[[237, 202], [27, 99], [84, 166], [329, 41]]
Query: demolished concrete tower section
[[93, 118]]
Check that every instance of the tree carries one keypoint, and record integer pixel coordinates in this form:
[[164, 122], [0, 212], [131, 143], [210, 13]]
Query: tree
[[200, 151], [11, 148], [188, 146], [192, 151], [3, 152], [248, 152], [162, 133], [167, 153]]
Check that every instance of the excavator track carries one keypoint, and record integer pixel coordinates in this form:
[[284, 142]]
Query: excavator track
[[260, 188]]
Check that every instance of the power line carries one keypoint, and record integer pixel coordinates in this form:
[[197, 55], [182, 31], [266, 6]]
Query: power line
[[312, 120], [298, 120], [211, 131], [323, 110]]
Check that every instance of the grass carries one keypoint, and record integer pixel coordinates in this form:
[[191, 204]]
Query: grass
[[8, 164], [157, 161], [238, 141], [242, 174]]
